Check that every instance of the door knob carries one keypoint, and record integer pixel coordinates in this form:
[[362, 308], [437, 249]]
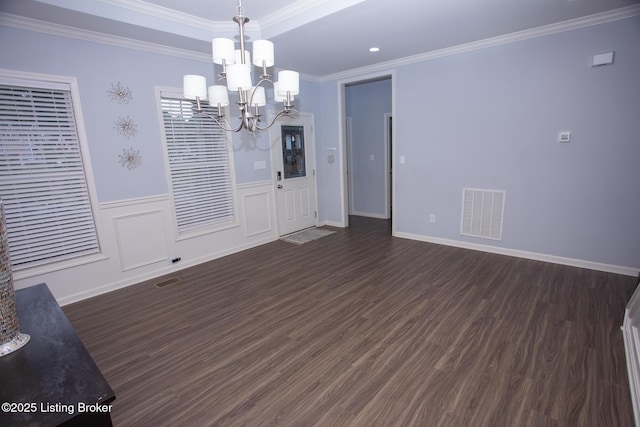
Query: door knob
[[279, 186]]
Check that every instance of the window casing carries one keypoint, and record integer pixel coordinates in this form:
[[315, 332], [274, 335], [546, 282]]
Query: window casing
[[43, 181], [200, 168]]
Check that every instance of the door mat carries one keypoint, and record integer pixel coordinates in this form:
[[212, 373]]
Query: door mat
[[304, 236]]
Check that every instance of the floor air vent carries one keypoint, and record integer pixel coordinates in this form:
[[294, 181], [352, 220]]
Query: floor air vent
[[168, 282], [482, 213]]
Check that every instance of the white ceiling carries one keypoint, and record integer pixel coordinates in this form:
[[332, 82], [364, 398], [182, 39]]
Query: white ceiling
[[316, 37]]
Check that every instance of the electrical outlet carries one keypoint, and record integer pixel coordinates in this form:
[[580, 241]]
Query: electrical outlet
[[432, 218]]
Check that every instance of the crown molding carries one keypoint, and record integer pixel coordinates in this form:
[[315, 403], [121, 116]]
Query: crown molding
[[168, 14], [23, 23], [162, 13], [86, 35], [284, 19], [300, 13], [560, 27]]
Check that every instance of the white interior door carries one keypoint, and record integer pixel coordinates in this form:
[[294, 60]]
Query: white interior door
[[293, 156]]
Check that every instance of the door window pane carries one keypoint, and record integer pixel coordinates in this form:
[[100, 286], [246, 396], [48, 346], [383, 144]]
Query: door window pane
[[293, 151]]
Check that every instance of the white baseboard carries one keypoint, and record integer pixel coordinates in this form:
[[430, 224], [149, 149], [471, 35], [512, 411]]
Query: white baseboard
[[331, 224], [172, 268], [627, 271], [369, 215]]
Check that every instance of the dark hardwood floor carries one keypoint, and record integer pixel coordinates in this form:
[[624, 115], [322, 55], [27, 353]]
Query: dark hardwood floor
[[362, 329]]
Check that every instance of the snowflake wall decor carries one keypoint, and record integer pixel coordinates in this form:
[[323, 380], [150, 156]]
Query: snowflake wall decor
[[126, 126], [120, 93], [130, 158]]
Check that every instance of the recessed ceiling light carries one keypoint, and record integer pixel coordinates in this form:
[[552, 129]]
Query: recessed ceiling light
[[374, 49]]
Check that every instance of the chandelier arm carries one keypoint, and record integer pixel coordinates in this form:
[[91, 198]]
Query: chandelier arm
[[280, 114], [220, 123], [262, 80]]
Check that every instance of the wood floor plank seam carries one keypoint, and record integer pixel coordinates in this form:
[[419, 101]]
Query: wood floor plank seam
[[365, 329]]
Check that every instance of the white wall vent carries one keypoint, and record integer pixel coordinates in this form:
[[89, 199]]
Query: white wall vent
[[482, 213]]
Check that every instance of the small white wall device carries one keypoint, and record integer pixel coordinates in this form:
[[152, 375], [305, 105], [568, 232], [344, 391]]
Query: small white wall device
[[564, 136], [602, 59]]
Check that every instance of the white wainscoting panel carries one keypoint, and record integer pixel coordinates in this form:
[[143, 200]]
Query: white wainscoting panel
[[257, 213], [137, 239], [141, 239]]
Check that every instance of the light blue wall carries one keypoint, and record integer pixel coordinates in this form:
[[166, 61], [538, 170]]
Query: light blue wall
[[490, 119], [96, 66], [367, 104], [486, 119], [327, 136]]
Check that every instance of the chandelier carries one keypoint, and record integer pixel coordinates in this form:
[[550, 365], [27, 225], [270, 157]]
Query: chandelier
[[236, 71]]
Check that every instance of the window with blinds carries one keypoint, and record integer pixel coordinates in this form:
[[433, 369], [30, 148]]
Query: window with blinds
[[42, 178], [199, 166]]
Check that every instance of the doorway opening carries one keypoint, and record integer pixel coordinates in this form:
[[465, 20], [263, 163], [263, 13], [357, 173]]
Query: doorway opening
[[367, 147]]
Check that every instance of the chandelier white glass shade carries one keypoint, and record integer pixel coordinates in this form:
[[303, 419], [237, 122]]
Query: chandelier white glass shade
[[236, 71]]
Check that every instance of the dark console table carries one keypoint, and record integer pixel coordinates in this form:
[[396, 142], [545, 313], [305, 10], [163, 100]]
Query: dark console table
[[52, 380]]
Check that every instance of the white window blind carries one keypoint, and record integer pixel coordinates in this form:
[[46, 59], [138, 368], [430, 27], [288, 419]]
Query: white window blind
[[199, 166], [42, 178]]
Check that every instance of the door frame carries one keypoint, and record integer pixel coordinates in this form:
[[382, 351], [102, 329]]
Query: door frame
[[310, 146], [348, 132], [344, 149], [388, 170], [388, 165]]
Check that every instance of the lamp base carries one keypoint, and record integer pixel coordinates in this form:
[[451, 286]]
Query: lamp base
[[15, 344]]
